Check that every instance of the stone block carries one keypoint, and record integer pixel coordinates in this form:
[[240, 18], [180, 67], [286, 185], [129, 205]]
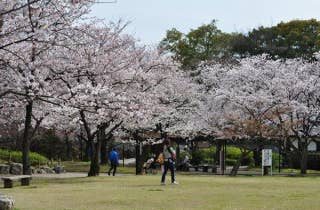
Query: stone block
[[58, 169], [4, 169], [6, 202], [16, 168]]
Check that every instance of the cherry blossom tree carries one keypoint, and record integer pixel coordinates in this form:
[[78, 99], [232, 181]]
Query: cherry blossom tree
[[104, 75], [264, 99], [28, 30]]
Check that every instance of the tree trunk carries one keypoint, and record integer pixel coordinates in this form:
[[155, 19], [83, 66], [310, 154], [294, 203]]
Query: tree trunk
[[141, 154], [94, 165], [217, 155], [26, 140], [104, 156], [138, 158], [222, 161], [304, 158], [88, 152], [81, 148], [104, 140], [237, 165], [95, 161], [96, 156]]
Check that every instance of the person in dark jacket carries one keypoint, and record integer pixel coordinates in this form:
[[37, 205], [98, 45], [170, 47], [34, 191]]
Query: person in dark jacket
[[114, 161], [169, 158]]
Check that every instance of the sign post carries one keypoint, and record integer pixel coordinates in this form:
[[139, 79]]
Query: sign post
[[266, 159]]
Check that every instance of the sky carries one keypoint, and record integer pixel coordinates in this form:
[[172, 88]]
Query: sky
[[150, 19]]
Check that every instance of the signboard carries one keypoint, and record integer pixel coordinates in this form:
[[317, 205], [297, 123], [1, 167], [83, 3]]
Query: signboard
[[267, 157]]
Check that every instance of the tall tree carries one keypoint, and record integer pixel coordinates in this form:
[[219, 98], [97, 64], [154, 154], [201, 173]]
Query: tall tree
[[293, 39], [205, 43]]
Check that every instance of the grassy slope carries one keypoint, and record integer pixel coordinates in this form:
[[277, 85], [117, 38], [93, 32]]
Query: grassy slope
[[194, 192], [84, 167]]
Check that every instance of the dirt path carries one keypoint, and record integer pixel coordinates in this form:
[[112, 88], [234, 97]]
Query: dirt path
[[70, 175]]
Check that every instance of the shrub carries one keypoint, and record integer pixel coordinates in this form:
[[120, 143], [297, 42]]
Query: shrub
[[275, 160], [208, 156], [16, 156], [230, 162], [233, 153]]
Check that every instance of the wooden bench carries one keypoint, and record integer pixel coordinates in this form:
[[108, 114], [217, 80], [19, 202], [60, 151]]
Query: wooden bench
[[204, 168], [195, 167], [8, 181]]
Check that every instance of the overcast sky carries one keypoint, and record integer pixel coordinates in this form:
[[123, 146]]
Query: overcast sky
[[151, 18]]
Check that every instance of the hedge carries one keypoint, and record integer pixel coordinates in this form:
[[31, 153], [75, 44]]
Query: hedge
[[207, 155], [16, 156]]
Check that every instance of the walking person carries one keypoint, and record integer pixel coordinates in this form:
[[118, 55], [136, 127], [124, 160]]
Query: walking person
[[114, 161], [169, 157]]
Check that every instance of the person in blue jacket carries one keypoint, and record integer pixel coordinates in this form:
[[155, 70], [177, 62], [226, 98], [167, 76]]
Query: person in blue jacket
[[114, 161]]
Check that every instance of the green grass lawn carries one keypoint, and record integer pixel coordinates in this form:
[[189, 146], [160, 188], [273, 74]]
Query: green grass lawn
[[193, 192]]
